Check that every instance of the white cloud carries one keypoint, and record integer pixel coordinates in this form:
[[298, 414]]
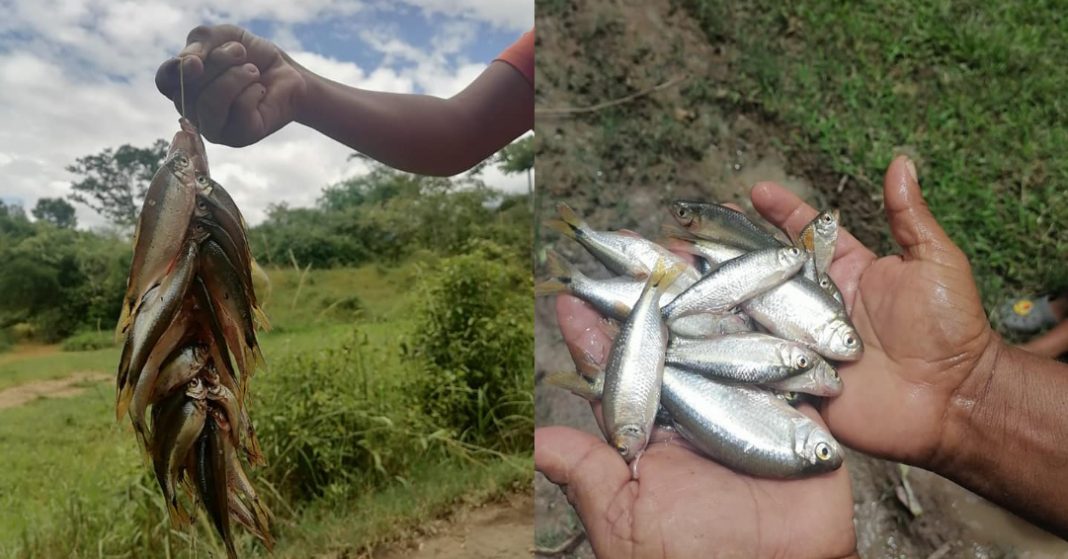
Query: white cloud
[[517, 15]]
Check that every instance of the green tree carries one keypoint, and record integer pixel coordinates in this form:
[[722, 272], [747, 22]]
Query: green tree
[[114, 181], [518, 157], [56, 211]]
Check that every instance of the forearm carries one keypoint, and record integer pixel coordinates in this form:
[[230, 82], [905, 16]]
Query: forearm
[[1006, 435], [421, 133]]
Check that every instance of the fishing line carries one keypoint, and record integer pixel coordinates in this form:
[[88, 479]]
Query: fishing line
[[181, 84]]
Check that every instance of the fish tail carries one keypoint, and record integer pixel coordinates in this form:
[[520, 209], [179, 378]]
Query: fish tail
[[260, 273], [260, 319], [574, 383], [569, 224], [561, 273]]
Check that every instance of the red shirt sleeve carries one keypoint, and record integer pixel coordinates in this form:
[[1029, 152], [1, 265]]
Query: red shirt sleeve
[[521, 56]]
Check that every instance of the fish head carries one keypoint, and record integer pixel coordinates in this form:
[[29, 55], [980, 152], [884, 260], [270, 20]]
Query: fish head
[[189, 141], [629, 440], [198, 233], [686, 214], [821, 380], [797, 356], [827, 223], [840, 340], [818, 448], [180, 162], [195, 389], [791, 257]]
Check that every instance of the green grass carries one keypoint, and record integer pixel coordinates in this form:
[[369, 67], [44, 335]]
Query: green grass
[[972, 90], [16, 369]]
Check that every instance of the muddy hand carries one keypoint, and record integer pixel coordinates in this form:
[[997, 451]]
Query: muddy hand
[[239, 88], [920, 317]]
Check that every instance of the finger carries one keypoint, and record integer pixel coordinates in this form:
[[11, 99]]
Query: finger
[[216, 99], [245, 124], [911, 221], [584, 330], [200, 41], [592, 471]]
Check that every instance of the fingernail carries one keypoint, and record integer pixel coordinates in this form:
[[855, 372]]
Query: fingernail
[[912, 170]]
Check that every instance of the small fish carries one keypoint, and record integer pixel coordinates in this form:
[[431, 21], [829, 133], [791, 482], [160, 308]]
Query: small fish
[[623, 254], [819, 238], [179, 369], [799, 310], [211, 476], [715, 222], [634, 370], [746, 428], [250, 510], [177, 422], [149, 376], [615, 297], [736, 281], [233, 307], [746, 358], [819, 380], [167, 208]]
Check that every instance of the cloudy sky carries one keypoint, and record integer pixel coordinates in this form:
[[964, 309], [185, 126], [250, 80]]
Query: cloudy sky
[[77, 76]]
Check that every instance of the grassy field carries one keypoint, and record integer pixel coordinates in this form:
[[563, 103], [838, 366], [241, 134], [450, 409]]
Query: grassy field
[[73, 483], [971, 90]]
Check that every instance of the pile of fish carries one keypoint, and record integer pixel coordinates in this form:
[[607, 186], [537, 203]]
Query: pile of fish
[[189, 306], [720, 352]]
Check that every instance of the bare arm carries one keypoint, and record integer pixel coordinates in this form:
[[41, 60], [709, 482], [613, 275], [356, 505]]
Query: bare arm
[[421, 133], [240, 88], [1006, 435]]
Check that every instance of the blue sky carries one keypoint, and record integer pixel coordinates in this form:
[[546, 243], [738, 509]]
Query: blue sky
[[76, 77]]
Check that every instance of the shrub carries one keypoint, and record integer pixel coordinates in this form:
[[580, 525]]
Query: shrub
[[89, 340], [474, 345]]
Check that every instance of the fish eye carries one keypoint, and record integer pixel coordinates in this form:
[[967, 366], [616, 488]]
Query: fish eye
[[850, 341], [202, 180], [795, 251], [802, 362], [824, 282], [823, 451], [826, 218], [181, 161]]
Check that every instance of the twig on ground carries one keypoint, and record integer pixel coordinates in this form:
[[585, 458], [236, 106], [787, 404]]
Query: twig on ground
[[565, 111]]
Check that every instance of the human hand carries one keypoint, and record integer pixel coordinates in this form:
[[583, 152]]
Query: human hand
[[683, 505], [239, 88], [919, 314]]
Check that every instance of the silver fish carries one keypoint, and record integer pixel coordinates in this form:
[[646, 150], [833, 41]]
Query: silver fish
[[634, 370], [623, 254], [747, 429], [746, 358], [720, 223], [819, 238], [827, 284], [735, 281], [800, 311], [615, 298]]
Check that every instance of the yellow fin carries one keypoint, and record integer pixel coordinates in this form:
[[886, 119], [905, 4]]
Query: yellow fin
[[577, 384], [664, 275]]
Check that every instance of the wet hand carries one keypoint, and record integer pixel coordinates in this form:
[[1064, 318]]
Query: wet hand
[[919, 314], [239, 88]]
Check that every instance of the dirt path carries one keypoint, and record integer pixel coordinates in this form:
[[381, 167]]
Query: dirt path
[[22, 352], [56, 388], [494, 530]]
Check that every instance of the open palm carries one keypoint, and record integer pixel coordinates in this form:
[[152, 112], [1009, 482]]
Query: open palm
[[919, 314]]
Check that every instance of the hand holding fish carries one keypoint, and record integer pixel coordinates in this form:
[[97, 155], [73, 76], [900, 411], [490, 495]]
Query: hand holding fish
[[239, 88]]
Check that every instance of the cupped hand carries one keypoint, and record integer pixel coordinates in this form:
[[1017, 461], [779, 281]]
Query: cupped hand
[[919, 314], [239, 88], [683, 505]]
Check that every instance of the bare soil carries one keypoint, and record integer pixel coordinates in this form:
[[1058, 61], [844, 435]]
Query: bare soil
[[709, 146], [57, 388], [491, 531]]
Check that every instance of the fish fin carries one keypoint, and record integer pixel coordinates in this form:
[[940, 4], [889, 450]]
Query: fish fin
[[259, 318], [259, 272], [664, 275], [674, 231], [569, 217], [576, 384], [806, 239]]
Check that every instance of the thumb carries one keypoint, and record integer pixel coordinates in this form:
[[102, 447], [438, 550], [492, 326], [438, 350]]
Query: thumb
[[911, 221], [587, 469]]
